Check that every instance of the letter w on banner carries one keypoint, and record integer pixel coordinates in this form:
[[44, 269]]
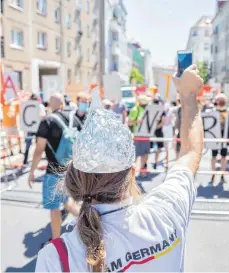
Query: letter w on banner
[[212, 129], [149, 122]]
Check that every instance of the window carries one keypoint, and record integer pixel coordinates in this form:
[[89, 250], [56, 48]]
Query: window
[[58, 45], [42, 7], [69, 49], [216, 30], [206, 46], [57, 15], [68, 20], [69, 75], [212, 48], [17, 38], [20, 79], [195, 32], [87, 6], [88, 31], [42, 40], [88, 54], [207, 32], [16, 3], [216, 49]]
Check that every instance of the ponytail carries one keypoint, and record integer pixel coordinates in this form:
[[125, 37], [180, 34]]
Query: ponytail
[[90, 229]]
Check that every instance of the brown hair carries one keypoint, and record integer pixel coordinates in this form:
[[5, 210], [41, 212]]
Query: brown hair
[[108, 188]]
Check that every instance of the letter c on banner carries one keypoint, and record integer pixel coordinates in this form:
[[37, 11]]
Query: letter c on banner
[[24, 116]]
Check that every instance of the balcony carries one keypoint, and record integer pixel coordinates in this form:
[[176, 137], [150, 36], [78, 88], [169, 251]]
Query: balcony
[[114, 26], [115, 48], [79, 32]]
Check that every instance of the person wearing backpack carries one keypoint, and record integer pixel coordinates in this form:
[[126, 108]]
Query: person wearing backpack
[[55, 136], [113, 232]]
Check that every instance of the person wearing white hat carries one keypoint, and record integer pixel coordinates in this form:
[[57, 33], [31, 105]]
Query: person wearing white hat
[[113, 232]]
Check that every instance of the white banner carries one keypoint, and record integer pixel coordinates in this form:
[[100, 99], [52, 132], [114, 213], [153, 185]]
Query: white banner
[[212, 129], [150, 119], [167, 88], [112, 87], [30, 116], [51, 84]]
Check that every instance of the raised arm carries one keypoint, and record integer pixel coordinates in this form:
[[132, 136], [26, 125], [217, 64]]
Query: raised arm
[[191, 125]]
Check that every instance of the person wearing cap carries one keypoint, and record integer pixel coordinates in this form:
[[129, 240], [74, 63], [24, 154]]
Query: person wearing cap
[[114, 232], [135, 118], [82, 101], [220, 101]]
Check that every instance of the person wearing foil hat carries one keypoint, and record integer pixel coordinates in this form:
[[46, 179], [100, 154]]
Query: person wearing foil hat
[[113, 231]]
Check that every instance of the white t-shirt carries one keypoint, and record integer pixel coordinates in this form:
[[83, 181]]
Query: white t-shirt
[[149, 236]]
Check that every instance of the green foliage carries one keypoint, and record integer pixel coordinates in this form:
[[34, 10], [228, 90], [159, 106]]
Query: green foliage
[[135, 74], [203, 70]]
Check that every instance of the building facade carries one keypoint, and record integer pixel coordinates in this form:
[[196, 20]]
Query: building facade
[[115, 47], [49, 37], [200, 40], [220, 45]]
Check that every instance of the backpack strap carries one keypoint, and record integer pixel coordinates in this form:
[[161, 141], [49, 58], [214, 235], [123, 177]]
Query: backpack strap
[[62, 252]]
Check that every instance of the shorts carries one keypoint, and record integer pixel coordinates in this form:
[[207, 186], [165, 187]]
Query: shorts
[[142, 148], [159, 133], [11, 131], [223, 152], [51, 198]]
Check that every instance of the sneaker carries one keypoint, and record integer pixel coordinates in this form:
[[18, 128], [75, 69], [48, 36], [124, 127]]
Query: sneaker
[[155, 166], [212, 180]]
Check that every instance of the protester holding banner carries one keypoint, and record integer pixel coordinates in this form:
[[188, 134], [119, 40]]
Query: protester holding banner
[[114, 233], [30, 135], [221, 101], [49, 135], [10, 111], [135, 118]]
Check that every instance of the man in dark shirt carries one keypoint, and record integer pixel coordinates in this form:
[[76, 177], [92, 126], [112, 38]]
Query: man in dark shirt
[[49, 134]]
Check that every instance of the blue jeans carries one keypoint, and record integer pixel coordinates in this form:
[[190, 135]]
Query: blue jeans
[[52, 199], [28, 142]]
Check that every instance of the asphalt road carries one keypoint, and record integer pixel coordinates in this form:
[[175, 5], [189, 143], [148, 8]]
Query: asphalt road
[[25, 225]]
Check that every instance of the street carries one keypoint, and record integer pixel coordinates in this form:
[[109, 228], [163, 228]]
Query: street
[[25, 224]]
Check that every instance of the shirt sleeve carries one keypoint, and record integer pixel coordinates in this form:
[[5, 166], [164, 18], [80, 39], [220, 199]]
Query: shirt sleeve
[[43, 130], [133, 113], [177, 193], [48, 260]]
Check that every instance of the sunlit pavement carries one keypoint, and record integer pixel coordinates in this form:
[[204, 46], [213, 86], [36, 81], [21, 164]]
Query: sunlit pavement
[[25, 224]]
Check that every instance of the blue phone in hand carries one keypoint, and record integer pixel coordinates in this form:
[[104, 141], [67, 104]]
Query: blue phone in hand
[[184, 60]]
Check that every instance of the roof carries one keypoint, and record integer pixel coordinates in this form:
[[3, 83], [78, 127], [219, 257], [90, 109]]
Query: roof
[[204, 21]]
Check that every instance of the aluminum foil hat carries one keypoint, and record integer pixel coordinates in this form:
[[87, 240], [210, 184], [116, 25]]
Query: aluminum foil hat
[[104, 145]]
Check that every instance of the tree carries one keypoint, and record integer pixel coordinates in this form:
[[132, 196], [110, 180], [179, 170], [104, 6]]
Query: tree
[[203, 70], [135, 74]]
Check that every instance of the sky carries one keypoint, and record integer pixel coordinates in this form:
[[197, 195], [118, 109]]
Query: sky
[[162, 26]]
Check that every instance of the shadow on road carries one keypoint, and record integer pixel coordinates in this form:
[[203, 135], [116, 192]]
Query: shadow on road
[[33, 242], [212, 191]]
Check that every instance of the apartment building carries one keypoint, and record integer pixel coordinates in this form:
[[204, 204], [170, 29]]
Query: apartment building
[[220, 45], [48, 37], [200, 40], [114, 52]]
